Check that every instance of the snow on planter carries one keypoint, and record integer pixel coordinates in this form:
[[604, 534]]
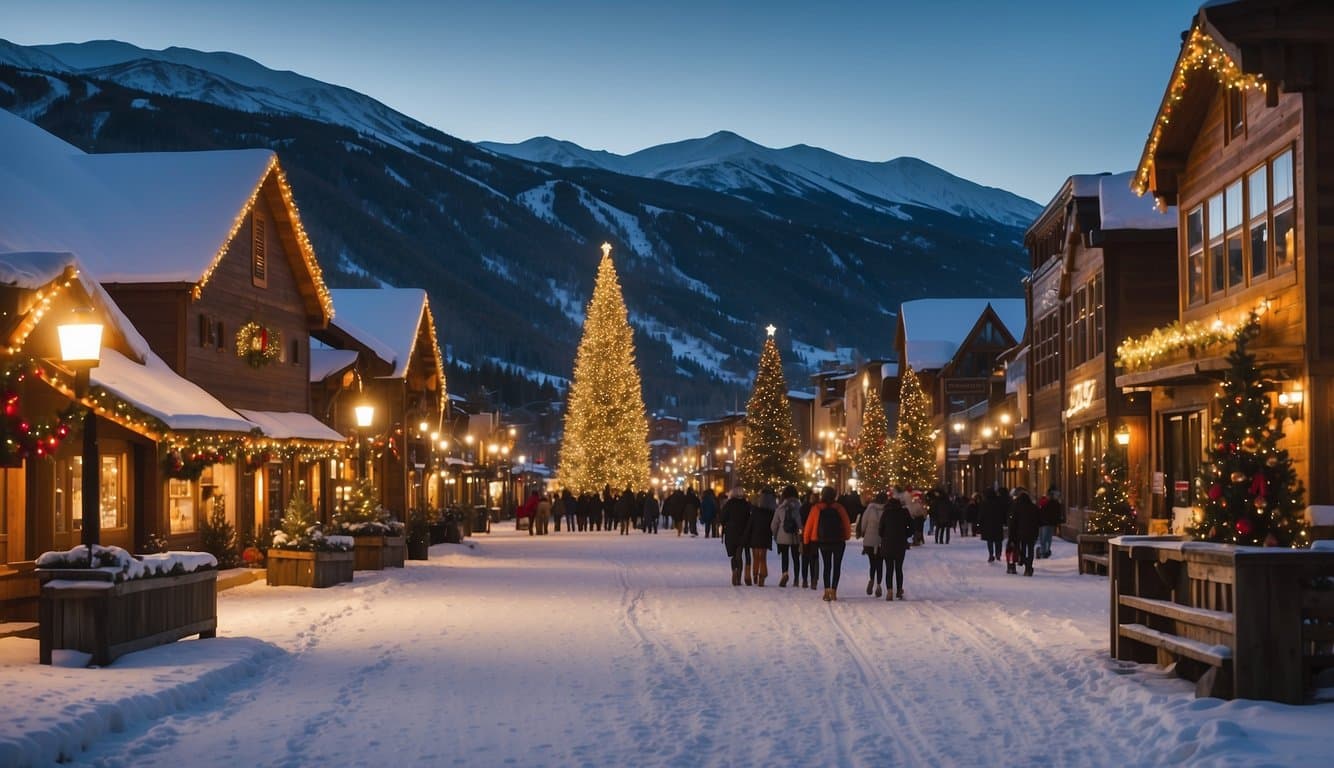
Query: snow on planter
[[120, 565]]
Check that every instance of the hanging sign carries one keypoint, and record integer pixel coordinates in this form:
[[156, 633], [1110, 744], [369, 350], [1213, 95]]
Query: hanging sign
[[1081, 397]]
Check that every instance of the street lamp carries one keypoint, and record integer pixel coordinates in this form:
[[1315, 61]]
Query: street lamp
[[81, 349], [1123, 436], [365, 416]]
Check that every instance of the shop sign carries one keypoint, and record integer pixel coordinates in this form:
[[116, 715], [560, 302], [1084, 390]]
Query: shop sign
[[1081, 397], [1159, 484]]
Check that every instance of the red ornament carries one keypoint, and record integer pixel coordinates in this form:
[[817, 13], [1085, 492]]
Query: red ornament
[[1215, 492], [1259, 486], [1244, 526]]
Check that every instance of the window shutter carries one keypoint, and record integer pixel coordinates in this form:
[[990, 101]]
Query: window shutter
[[259, 252]]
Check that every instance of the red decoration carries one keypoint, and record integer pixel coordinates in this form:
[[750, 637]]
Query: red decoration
[[1259, 487], [1244, 526], [1215, 492]]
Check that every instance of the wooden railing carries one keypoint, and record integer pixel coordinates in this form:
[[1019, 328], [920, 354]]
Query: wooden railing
[[1092, 551], [1243, 622]]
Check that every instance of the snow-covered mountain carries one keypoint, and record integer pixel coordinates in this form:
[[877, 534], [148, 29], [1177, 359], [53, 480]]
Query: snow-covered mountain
[[726, 162], [225, 80]]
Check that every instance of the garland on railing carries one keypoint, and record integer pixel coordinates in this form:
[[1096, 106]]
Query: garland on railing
[[1144, 352], [258, 344]]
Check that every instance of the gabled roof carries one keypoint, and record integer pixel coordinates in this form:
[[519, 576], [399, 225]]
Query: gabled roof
[[144, 217], [386, 320], [933, 329], [326, 362], [128, 367]]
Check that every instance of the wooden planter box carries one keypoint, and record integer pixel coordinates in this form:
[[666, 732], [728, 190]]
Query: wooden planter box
[[375, 553], [419, 550], [292, 568], [82, 612]]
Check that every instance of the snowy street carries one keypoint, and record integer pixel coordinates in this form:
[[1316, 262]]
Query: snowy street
[[595, 649]]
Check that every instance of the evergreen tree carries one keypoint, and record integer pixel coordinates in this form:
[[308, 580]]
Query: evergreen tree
[[217, 536], [769, 453], [1112, 514], [1247, 491], [914, 452], [606, 430], [873, 455]]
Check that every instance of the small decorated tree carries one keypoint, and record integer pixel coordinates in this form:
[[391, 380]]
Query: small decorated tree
[[873, 455], [769, 455], [217, 536], [1112, 514], [300, 529], [1247, 491], [914, 451]]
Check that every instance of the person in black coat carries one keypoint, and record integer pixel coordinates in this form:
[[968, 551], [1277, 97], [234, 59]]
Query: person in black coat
[[1024, 528], [735, 516], [896, 528], [760, 537], [992, 516]]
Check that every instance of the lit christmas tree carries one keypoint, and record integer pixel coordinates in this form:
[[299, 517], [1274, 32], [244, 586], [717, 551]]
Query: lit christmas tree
[[769, 453], [873, 455], [914, 450], [1247, 492], [606, 430], [1112, 514]]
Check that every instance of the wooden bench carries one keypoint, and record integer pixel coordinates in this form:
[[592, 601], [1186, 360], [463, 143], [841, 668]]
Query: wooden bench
[[1092, 551], [1178, 637]]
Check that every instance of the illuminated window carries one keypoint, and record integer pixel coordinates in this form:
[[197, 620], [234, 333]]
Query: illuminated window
[[1195, 255], [1284, 212], [1217, 259], [1236, 267], [69, 493], [1257, 192]]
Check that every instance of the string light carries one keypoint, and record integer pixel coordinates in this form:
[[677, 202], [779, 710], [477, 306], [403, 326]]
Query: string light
[[1200, 51], [769, 454], [914, 450], [302, 240]]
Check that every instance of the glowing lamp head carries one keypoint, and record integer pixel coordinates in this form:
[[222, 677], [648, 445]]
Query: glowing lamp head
[[1123, 436], [957, 427], [987, 432], [81, 340], [1005, 418], [422, 427], [365, 415]]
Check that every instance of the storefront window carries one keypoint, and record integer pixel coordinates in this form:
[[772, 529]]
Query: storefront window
[[181, 505], [68, 500]]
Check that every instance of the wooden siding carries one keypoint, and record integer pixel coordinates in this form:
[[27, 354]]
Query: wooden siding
[[231, 297], [157, 312]]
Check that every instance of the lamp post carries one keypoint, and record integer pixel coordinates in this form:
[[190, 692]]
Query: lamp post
[[365, 416], [81, 349]]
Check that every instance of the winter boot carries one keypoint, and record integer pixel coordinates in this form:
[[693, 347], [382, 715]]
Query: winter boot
[[826, 597], [877, 590], [833, 595], [889, 595], [782, 582], [1028, 571], [736, 577], [869, 586], [899, 594]]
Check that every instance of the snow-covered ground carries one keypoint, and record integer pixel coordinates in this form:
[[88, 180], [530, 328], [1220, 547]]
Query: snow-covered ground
[[595, 649]]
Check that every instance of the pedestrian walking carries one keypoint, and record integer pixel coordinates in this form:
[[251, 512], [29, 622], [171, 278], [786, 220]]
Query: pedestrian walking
[[760, 535], [708, 513], [735, 516], [896, 528], [938, 506], [868, 530], [786, 529], [692, 512], [543, 517], [991, 521], [1024, 528], [828, 524], [1050, 517], [650, 513], [810, 549]]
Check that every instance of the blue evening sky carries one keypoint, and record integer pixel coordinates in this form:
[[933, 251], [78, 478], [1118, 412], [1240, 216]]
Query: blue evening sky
[[1017, 94]]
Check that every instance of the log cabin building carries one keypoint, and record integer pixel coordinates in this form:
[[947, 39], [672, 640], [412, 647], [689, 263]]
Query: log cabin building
[[1243, 147], [203, 257], [396, 367], [1096, 252]]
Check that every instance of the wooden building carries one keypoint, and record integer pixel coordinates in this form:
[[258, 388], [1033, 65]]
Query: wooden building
[[397, 369], [1097, 253], [953, 346], [1241, 143], [204, 254]]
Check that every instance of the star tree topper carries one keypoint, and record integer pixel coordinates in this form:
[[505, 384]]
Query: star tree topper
[[770, 329]]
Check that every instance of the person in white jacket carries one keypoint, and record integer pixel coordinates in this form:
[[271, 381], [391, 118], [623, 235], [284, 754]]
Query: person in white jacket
[[786, 528], [868, 528]]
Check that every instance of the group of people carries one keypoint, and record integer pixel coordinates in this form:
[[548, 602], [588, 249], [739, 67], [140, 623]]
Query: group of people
[[622, 511]]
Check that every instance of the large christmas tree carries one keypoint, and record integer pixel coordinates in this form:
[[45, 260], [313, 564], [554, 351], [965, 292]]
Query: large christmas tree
[[873, 455], [914, 450], [1247, 491], [606, 431], [769, 453], [1112, 514]]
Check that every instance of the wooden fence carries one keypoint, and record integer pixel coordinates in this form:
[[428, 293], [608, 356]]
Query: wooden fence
[[1243, 622]]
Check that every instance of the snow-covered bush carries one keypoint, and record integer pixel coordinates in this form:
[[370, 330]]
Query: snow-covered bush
[[363, 516], [301, 531]]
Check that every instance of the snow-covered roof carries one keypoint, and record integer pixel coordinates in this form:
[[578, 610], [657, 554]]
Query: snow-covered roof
[[1121, 208], [796, 394], [384, 319], [292, 425], [157, 390], [325, 362], [889, 370], [933, 329], [143, 217], [1086, 184]]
